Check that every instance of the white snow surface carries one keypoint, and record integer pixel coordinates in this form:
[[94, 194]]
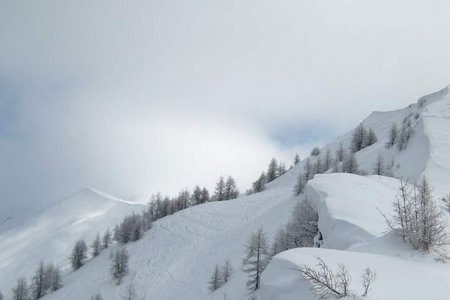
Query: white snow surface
[[175, 259], [51, 235]]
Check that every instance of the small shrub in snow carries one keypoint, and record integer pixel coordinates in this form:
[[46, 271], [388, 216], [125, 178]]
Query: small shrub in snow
[[367, 279], [328, 283]]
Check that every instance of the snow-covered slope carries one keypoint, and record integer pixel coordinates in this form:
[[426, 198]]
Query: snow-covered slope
[[354, 234], [51, 235], [176, 257], [353, 229]]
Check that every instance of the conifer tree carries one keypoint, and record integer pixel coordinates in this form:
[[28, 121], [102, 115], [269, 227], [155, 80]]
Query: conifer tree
[[301, 183], [296, 159], [259, 185], [106, 241], [371, 138], [119, 265], [38, 283], [281, 169], [393, 135], [257, 259], [196, 197], [227, 270], [205, 195], [231, 191], [340, 153], [219, 194], [272, 170], [78, 255], [358, 138], [96, 246], [350, 164], [379, 168], [20, 291], [216, 279]]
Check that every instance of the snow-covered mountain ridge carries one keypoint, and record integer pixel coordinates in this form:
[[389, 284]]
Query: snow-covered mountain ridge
[[175, 259]]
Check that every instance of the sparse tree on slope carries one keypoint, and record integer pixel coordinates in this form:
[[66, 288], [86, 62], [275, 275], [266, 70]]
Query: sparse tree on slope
[[205, 195], [340, 153], [308, 170], [280, 242], [432, 232], [20, 291], [219, 194], [358, 138], [301, 183], [350, 164], [78, 255], [216, 279], [327, 160], [53, 278], [227, 270], [393, 135], [418, 219], [119, 265], [106, 241], [259, 185], [379, 168], [38, 283], [196, 197], [370, 139], [296, 159], [272, 170], [302, 227], [404, 136], [231, 191], [96, 246], [281, 169], [130, 293], [257, 259]]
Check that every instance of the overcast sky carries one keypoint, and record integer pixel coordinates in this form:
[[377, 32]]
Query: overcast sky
[[134, 97]]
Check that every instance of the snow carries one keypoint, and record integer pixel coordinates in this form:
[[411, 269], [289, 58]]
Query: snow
[[175, 259], [51, 235], [354, 234], [338, 196]]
